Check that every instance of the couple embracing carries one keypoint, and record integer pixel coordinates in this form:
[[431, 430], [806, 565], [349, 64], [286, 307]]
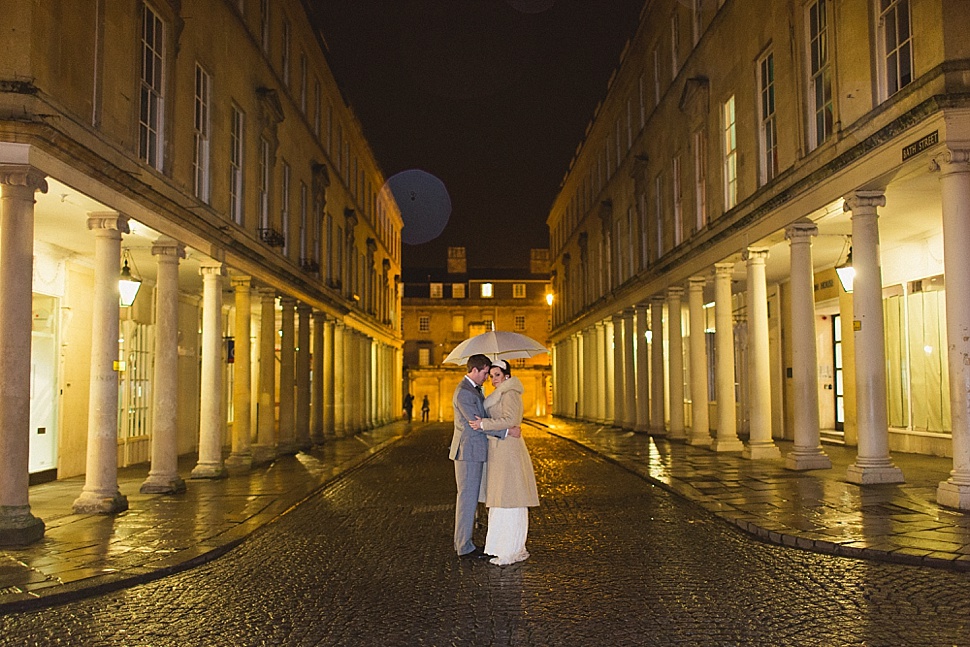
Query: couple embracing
[[492, 463]]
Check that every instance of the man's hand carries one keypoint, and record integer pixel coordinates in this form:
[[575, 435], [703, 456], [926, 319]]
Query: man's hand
[[476, 423], [515, 432]]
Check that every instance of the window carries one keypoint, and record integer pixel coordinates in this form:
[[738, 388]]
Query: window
[[316, 107], [264, 25], [488, 324], [236, 166], [656, 77], [303, 77], [820, 82], [436, 290], [674, 44], [678, 202], [264, 163], [424, 323], [200, 158], [458, 323], [643, 107], [486, 290], [700, 179], [730, 155], [696, 8], [152, 77], [896, 45], [424, 356], [285, 53], [304, 234], [769, 129], [658, 213], [518, 290], [519, 322], [285, 207], [457, 290]]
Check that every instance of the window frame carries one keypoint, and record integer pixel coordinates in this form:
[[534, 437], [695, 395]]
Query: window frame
[[151, 104], [202, 135], [767, 118], [729, 141], [887, 81], [237, 152]]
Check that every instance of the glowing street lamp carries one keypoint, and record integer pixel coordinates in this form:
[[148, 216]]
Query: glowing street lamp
[[127, 284]]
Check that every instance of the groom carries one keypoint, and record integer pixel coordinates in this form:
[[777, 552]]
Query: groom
[[469, 450]]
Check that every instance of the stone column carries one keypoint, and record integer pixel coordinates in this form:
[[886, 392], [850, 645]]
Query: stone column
[[657, 362], [609, 372], [954, 167], [807, 453], [580, 378], [17, 187], [727, 425], [700, 428], [591, 394], [629, 373], [675, 297], [340, 380], [760, 443], [163, 477], [873, 464], [212, 418], [265, 449], [600, 366], [241, 456], [287, 439], [303, 378], [101, 493], [329, 353], [316, 394], [618, 395], [642, 371]]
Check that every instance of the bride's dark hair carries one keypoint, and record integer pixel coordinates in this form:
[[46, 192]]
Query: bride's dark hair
[[504, 366]]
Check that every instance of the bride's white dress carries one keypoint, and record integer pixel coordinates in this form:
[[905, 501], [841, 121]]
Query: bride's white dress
[[508, 529]]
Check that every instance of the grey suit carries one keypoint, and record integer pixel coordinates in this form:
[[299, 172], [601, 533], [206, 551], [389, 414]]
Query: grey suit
[[469, 450]]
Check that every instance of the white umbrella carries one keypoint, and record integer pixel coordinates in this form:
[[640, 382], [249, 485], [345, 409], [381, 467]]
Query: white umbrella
[[496, 344]]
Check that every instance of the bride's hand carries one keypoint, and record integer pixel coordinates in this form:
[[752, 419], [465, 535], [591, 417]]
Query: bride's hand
[[475, 424]]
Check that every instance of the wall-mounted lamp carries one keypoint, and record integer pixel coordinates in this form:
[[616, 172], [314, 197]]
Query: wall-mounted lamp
[[846, 272], [127, 284], [549, 298]]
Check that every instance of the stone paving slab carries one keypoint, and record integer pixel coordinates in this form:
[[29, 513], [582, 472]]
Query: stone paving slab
[[815, 510]]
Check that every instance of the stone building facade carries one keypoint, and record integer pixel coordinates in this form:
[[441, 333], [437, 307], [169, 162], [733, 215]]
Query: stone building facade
[[204, 146], [742, 153], [444, 306]]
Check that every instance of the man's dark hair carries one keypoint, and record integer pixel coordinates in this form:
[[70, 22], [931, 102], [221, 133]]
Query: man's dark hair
[[478, 362]]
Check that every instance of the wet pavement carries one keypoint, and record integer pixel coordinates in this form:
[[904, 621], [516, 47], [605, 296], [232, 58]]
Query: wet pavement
[[83, 555], [367, 559]]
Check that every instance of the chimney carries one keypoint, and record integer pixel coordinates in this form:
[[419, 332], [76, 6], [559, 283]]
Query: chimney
[[539, 261], [457, 264]]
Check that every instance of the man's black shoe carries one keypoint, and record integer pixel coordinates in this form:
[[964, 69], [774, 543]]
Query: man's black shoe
[[478, 553]]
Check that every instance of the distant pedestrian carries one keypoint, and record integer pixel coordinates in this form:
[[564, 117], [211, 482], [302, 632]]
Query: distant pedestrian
[[409, 406], [425, 409]]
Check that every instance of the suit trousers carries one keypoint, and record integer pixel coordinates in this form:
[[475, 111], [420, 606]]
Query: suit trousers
[[468, 478]]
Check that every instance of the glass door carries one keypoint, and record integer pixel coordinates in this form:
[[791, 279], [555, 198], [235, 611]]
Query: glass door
[[839, 387]]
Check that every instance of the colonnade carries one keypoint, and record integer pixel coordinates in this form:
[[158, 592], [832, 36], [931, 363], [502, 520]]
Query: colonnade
[[333, 377], [644, 373]]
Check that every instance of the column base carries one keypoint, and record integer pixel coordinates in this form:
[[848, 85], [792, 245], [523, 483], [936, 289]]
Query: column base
[[18, 527], [239, 463], [658, 431], [953, 495], [874, 474], [677, 436], [808, 460], [642, 429], [95, 503], [263, 454], [288, 448], [761, 451], [318, 438], [209, 471], [727, 445], [163, 485]]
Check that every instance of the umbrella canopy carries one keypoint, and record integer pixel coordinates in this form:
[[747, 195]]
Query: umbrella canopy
[[496, 344]]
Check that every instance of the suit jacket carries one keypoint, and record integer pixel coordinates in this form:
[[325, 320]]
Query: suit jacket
[[469, 444]]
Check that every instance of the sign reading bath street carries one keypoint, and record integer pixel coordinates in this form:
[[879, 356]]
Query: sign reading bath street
[[921, 145]]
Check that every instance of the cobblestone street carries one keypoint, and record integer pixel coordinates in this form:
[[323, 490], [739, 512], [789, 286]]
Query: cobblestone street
[[614, 561]]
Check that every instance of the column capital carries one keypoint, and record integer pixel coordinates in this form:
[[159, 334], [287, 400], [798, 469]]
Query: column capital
[[864, 201], [675, 292], [801, 231], [617, 316], [108, 221], [658, 300], [286, 301], [267, 294], [237, 281], [168, 247], [211, 269], [697, 282], [951, 160], [319, 316], [23, 175], [723, 269], [628, 313], [641, 306], [756, 255], [303, 307]]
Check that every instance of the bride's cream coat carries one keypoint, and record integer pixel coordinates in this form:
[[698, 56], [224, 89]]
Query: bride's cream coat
[[509, 480]]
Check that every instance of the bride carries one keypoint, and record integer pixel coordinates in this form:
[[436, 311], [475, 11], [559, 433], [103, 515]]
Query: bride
[[509, 483]]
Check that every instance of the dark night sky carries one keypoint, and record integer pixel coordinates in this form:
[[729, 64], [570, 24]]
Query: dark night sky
[[490, 96]]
